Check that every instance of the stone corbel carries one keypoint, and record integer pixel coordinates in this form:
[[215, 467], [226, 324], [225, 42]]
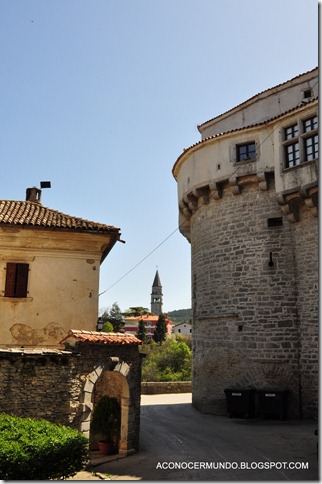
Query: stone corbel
[[310, 197], [184, 210], [191, 201], [312, 204], [262, 181], [201, 193], [215, 191], [233, 182], [187, 212], [290, 206]]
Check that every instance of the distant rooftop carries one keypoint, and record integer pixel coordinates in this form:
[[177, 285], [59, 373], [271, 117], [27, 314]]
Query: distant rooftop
[[99, 337]]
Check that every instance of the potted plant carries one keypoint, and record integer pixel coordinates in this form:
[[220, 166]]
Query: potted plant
[[106, 423]]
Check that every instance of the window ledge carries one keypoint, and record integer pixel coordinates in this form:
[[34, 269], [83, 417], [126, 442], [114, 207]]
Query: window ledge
[[304, 163], [16, 299]]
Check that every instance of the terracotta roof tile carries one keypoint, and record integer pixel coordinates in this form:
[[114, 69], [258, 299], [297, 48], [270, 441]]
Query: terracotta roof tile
[[33, 351], [256, 95], [102, 338], [26, 213], [243, 128]]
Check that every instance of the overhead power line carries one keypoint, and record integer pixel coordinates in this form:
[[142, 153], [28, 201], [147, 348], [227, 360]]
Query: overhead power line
[[186, 218]]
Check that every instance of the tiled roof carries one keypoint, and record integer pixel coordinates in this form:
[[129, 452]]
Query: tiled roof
[[256, 95], [243, 128], [26, 213], [102, 338], [145, 317], [32, 351]]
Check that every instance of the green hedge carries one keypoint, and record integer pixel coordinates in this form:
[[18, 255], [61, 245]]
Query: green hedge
[[32, 449]]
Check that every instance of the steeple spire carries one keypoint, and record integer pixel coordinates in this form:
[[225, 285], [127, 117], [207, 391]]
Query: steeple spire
[[156, 295]]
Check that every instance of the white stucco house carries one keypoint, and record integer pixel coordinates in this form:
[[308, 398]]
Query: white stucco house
[[185, 329]]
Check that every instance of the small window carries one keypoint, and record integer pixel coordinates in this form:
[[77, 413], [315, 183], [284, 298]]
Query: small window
[[291, 132], [275, 222], [301, 142], [16, 279], [311, 148], [246, 152], [292, 153], [311, 143], [307, 93], [310, 124]]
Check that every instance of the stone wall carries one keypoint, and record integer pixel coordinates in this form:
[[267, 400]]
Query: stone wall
[[38, 384], [158, 387], [306, 254], [249, 324], [60, 385]]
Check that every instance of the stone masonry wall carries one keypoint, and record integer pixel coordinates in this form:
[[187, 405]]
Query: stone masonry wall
[[245, 320], [305, 240], [57, 385], [156, 387], [38, 384]]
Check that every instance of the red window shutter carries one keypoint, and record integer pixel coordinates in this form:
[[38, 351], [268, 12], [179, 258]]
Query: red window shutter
[[10, 280], [21, 280], [16, 280]]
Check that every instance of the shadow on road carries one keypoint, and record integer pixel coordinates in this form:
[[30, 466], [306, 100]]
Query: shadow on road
[[177, 442]]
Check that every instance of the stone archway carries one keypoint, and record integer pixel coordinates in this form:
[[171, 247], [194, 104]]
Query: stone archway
[[110, 379]]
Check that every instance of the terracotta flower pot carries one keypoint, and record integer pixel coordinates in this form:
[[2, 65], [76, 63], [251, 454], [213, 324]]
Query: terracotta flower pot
[[105, 447]]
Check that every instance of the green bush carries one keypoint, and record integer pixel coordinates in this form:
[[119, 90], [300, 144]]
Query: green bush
[[107, 418], [32, 449], [169, 362]]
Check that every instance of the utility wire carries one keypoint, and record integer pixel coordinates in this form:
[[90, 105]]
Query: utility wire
[[140, 262], [240, 164]]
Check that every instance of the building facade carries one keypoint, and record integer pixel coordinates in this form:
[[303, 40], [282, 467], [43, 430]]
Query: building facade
[[49, 271], [247, 195], [131, 324], [184, 329], [53, 364]]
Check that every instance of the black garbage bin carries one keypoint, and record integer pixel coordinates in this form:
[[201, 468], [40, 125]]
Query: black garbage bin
[[272, 402], [240, 401]]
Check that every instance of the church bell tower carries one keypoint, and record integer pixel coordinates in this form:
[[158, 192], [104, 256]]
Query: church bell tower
[[156, 296]]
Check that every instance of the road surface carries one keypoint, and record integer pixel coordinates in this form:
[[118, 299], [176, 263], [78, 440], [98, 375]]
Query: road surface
[[179, 443]]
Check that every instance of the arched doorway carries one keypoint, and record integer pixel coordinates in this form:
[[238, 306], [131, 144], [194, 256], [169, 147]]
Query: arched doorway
[[114, 383]]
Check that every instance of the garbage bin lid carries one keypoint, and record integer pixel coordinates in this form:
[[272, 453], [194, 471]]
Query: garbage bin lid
[[239, 389], [273, 389]]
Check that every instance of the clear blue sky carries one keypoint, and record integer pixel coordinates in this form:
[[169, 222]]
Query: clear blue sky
[[101, 97]]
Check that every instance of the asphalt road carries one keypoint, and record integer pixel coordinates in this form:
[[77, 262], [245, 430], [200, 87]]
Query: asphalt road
[[179, 443]]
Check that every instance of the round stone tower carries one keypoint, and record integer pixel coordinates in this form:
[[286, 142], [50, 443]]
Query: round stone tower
[[250, 216]]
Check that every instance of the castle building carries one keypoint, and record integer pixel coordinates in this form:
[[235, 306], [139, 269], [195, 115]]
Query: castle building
[[247, 196], [156, 295]]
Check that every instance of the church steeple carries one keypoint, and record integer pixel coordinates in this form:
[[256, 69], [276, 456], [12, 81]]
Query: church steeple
[[156, 295]]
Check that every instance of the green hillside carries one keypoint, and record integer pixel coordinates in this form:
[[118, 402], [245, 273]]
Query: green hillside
[[180, 315]]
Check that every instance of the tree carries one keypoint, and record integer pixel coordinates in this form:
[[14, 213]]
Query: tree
[[141, 332], [160, 330], [107, 327], [136, 311], [115, 317], [170, 361]]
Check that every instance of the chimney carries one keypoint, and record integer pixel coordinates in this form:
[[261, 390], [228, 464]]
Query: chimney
[[33, 195]]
